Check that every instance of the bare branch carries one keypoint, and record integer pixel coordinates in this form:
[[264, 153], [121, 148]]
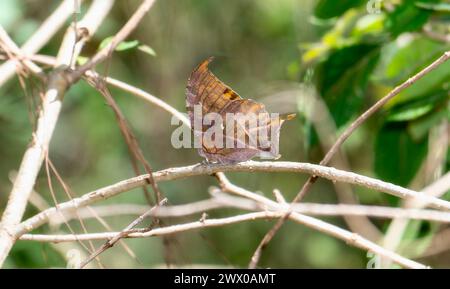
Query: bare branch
[[226, 201], [119, 37], [318, 113], [11, 48], [35, 153], [146, 96], [50, 60], [44, 33], [397, 227], [348, 237], [278, 211], [203, 169], [122, 234]]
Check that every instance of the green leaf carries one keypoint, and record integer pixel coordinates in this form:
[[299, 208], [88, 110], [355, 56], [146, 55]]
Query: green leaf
[[401, 61], [147, 49], [397, 155], [369, 24], [418, 107], [447, 166], [406, 17], [398, 63], [82, 60], [439, 7], [126, 45], [328, 8], [420, 127], [105, 42], [122, 46], [435, 81], [411, 113], [353, 28], [342, 80]]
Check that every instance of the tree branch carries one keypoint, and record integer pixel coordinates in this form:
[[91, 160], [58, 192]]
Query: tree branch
[[119, 37], [50, 60], [203, 169], [11, 48], [46, 122], [348, 237], [122, 234], [224, 201], [397, 227], [44, 33]]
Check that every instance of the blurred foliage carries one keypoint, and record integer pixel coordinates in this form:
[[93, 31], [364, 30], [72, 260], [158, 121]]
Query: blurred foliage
[[361, 57], [361, 50], [350, 54]]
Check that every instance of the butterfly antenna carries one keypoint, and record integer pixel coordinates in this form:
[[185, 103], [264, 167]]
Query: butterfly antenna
[[287, 116]]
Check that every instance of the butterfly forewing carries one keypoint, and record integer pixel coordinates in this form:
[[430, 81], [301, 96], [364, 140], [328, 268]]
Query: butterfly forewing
[[206, 89]]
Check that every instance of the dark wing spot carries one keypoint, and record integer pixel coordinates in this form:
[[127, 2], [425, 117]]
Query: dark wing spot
[[229, 94]]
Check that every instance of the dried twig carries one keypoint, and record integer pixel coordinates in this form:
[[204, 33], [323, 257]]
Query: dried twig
[[119, 37], [100, 56], [125, 232], [397, 227], [204, 169], [14, 52], [135, 151], [317, 112], [350, 238], [35, 153], [225, 201], [50, 60], [42, 35]]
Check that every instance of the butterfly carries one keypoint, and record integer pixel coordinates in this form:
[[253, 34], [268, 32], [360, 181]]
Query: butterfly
[[227, 128]]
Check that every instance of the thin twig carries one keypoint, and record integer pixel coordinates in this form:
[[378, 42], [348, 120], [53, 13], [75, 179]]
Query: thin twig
[[225, 201], [318, 113], [348, 237], [50, 60], [397, 227], [31, 162], [144, 95], [123, 33], [135, 151], [122, 234], [10, 47], [42, 35]]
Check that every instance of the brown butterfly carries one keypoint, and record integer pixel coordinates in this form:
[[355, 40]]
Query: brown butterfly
[[228, 128]]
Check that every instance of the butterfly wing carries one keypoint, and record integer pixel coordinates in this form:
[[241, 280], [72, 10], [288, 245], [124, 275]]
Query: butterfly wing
[[206, 90]]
